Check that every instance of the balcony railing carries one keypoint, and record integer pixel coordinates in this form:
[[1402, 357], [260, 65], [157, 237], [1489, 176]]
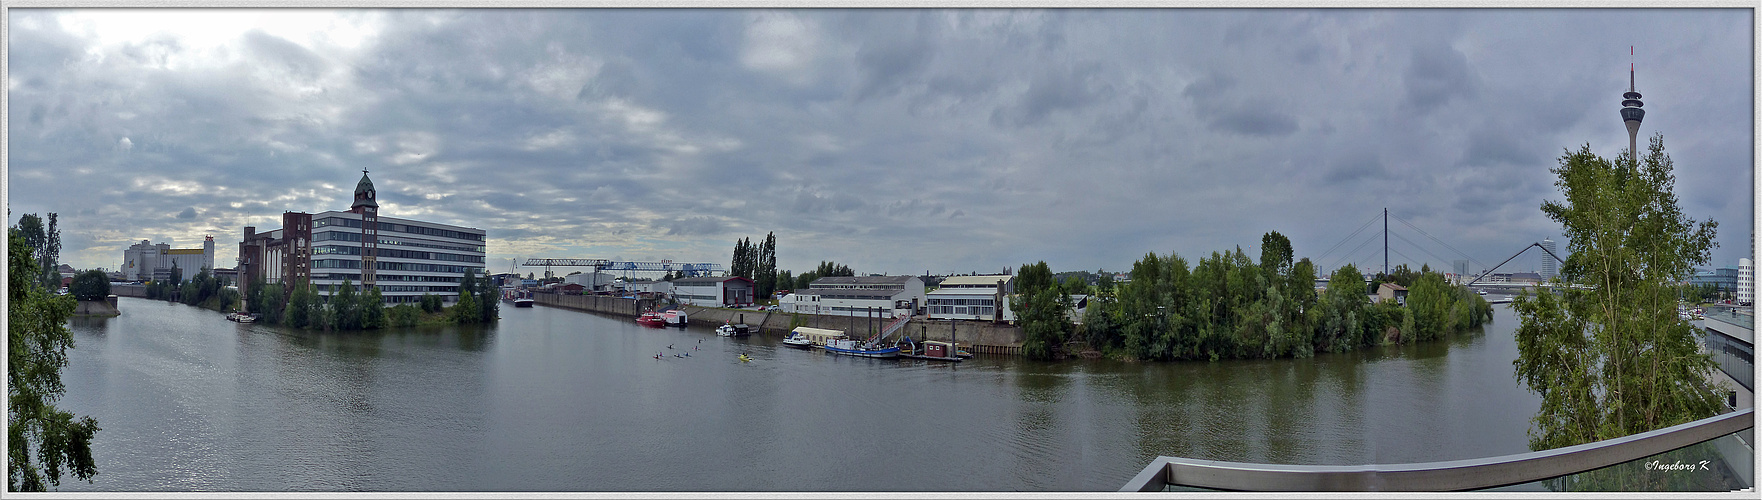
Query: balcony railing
[[1164, 473]]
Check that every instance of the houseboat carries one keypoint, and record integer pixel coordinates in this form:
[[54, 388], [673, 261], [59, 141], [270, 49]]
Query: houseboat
[[806, 337]]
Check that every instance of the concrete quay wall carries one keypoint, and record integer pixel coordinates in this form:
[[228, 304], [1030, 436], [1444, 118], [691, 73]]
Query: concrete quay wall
[[978, 337]]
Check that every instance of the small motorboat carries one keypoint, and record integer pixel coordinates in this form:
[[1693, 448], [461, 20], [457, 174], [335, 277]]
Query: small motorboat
[[733, 330], [523, 302], [798, 341]]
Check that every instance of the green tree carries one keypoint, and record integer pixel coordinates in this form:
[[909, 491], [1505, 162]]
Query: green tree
[[90, 285], [1612, 359], [466, 310], [488, 306], [431, 303], [372, 307], [346, 308], [1040, 310], [298, 313], [42, 440], [784, 279]]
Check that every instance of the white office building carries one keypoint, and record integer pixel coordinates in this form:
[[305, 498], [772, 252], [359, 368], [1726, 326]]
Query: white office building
[[405, 258], [1746, 281]]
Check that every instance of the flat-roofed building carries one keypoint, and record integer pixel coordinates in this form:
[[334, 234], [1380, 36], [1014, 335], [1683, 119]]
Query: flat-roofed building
[[729, 291], [983, 297], [405, 258], [885, 296]]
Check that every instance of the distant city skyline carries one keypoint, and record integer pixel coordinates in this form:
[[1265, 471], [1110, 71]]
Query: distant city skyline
[[891, 141]]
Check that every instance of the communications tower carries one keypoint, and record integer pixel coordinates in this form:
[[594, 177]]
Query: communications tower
[[1630, 110]]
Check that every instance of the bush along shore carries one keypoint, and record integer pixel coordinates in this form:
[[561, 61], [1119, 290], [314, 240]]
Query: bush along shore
[[1229, 307]]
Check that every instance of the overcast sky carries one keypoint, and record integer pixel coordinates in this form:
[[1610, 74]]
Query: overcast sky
[[892, 141]]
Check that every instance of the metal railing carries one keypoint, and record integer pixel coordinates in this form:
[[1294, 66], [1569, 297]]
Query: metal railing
[[1455, 475]]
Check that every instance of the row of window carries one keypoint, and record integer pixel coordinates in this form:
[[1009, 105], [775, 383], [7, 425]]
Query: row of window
[[449, 290], [865, 310], [962, 302], [397, 253], [356, 237], [992, 286], [402, 228], [976, 310], [394, 266], [389, 277], [849, 297]]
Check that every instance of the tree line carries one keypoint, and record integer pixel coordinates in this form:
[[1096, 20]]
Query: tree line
[[1228, 306], [349, 308]]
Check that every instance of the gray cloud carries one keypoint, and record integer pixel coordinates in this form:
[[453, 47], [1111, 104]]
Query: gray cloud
[[893, 141], [1436, 74]]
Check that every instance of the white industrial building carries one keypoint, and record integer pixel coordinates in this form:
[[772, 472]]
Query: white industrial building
[[730, 291], [650, 286], [592, 281], [882, 296], [146, 261], [972, 297]]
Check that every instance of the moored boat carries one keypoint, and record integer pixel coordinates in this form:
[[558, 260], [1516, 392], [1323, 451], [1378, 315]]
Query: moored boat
[[849, 347], [651, 318], [814, 337], [733, 330], [798, 341]]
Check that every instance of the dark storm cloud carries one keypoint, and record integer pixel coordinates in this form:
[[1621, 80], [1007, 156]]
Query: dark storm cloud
[[891, 140]]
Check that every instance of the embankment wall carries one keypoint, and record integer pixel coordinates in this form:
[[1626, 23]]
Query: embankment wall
[[978, 337]]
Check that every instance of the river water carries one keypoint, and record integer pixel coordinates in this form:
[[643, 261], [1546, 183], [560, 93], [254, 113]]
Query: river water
[[558, 400]]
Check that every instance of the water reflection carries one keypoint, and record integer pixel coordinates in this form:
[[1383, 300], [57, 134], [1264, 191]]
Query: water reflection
[[556, 400]]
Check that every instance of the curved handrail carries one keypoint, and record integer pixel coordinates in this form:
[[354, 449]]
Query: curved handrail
[[1454, 475]]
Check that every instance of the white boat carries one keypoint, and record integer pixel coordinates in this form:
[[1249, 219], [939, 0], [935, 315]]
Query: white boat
[[728, 330], [523, 302], [798, 341]]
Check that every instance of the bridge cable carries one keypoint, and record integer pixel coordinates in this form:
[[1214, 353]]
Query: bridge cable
[[1348, 237], [1440, 242], [1349, 253], [1422, 249]]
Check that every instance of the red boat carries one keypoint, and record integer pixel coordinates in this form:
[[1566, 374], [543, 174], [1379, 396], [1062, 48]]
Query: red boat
[[652, 318]]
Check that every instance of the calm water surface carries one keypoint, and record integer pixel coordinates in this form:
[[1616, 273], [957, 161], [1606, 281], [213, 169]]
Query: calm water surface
[[557, 400]]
